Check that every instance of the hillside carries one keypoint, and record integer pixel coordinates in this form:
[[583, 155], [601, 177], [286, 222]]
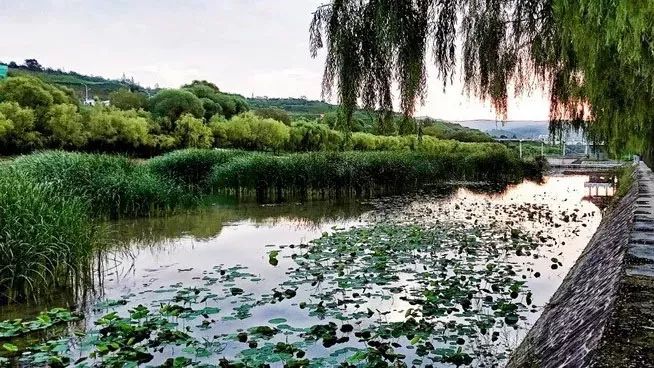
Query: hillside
[[97, 86]]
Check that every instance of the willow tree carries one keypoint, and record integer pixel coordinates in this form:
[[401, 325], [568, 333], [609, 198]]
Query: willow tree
[[594, 57]]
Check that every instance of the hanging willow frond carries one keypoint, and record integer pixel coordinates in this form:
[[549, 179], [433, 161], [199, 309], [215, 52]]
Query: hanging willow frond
[[374, 44], [595, 57]]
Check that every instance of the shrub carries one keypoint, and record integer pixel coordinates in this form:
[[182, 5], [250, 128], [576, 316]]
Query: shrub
[[274, 113], [19, 128], [64, 127], [116, 130], [248, 131], [307, 136], [191, 132], [125, 99]]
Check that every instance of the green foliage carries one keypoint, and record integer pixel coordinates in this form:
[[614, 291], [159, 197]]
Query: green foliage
[[111, 186], [126, 99], [211, 108], [361, 172], [64, 126], [192, 132], [625, 181], [33, 93], [274, 113], [224, 104], [249, 131], [115, 130], [307, 136], [445, 130], [45, 238], [190, 167], [172, 104], [564, 46], [18, 125]]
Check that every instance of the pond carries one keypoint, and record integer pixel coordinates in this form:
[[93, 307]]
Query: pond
[[444, 277]]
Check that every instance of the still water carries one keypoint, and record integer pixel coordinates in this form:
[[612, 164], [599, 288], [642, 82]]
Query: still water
[[446, 276]]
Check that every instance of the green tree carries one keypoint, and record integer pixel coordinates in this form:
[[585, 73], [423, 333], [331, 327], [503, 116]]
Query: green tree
[[19, 124], [115, 129], [64, 126], [173, 103], [126, 99], [6, 126], [211, 108], [275, 114], [27, 92], [192, 132]]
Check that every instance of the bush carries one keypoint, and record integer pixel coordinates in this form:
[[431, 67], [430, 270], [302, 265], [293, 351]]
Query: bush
[[64, 127], [191, 132], [125, 99], [19, 131], [248, 131], [114, 130], [274, 113], [306, 136]]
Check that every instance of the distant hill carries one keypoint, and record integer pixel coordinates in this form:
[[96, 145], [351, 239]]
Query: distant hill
[[294, 106], [97, 86]]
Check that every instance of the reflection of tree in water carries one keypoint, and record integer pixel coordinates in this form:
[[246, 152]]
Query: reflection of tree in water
[[208, 223]]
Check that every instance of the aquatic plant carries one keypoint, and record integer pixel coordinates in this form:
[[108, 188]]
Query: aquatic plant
[[111, 186], [332, 173], [45, 239], [190, 167]]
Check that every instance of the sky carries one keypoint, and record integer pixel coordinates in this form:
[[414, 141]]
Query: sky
[[251, 47]]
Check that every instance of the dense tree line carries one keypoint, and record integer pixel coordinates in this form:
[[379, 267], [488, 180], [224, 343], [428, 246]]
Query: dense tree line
[[37, 115]]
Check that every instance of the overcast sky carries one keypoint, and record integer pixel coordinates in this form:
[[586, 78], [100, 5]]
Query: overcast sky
[[250, 47]]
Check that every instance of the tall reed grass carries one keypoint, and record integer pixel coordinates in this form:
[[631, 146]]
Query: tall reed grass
[[45, 239], [360, 173], [192, 167], [110, 186]]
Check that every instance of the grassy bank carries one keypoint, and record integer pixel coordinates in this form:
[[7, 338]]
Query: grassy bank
[[51, 202]]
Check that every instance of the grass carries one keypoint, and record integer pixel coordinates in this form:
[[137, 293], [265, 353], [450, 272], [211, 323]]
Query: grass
[[51, 202], [191, 167], [45, 239], [360, 173], [111, 186], [625, 181]]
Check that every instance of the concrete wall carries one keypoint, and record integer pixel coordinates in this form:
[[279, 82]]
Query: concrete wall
[[602, 315]]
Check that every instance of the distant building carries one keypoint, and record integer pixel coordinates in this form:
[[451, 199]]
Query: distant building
[[92, 102], [4, 70]]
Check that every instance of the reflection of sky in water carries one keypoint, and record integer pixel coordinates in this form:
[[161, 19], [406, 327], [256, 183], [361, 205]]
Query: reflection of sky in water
[[186, 248]]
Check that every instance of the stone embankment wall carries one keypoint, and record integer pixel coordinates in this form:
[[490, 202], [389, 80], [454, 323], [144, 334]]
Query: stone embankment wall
[[602, 315]]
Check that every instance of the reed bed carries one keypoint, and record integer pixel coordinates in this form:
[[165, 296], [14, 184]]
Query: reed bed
[[111, 186], [361, 173], [45, 239], [191, 167]]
